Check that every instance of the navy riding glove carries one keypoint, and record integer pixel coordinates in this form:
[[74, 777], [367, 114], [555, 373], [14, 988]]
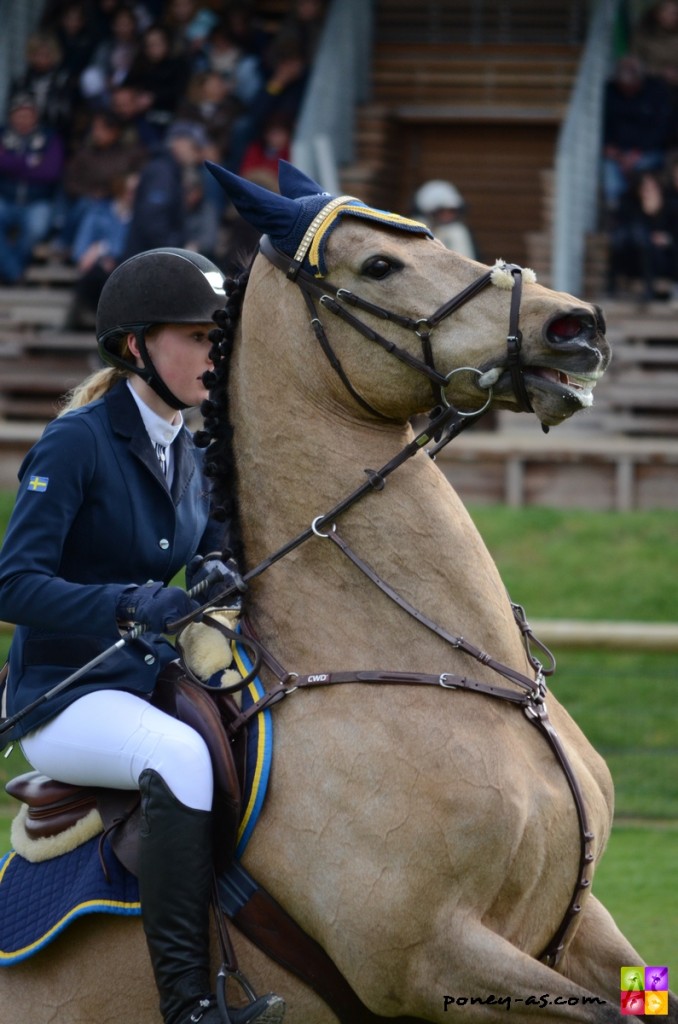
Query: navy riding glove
[[200, 567], [154, 606]]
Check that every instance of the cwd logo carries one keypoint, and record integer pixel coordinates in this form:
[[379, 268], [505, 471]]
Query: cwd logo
[[644, 990]]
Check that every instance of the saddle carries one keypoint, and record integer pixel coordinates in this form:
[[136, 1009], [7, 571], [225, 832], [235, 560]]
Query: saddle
[[53, 807]]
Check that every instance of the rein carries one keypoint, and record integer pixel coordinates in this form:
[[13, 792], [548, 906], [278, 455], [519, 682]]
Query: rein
[[443, 428]]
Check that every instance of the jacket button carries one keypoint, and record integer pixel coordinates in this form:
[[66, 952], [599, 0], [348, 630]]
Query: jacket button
[[149, 659], [163, 543]]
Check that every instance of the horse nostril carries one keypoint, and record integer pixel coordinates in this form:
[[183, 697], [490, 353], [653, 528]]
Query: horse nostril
[[567, 328]]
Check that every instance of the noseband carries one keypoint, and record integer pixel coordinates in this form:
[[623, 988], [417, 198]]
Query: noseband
[[335, 300]]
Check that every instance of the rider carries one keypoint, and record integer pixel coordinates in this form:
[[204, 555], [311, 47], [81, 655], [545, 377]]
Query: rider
[[112, 498]]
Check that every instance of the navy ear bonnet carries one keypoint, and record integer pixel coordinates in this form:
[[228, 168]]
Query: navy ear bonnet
[[300, 219]]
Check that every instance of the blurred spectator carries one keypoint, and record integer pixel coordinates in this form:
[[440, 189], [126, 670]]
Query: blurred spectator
[[280, 96], [75, 29], [637, 129], [671, 184], [248, 31], [223, 54], [103, 12], [441, 206], [202, 215], [303, 26], [95, 170], [273, 145], [210, 102], [112, 59], [160, 77], [31, 162], [189, 25], [129, 106], [655, 42], [48, 81], [98, 246], [644, 238], [159, 214]]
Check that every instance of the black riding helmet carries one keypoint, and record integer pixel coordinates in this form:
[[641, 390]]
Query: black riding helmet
[[160, 286]]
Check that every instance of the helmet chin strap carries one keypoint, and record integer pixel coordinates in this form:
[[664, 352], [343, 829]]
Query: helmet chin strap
[[149, 373]]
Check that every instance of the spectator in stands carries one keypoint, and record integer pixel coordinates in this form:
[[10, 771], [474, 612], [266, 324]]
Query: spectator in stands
[[98, 246], [251, 33], [112, 59], [304, 25], [638, 126], [282, 94], [159, 215], [93, 172], [189, 25], [75, 29], [129, 104], [48, 80], [202, 214], [644, 239], [160, 77], [273, 145], [223, 54], [209, 101], [655, 42], [31, 163], [671, 184], [442, 207]]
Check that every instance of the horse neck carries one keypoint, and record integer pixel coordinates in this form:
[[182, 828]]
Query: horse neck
[[296, 459]]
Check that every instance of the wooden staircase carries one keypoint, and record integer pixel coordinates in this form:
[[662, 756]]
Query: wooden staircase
[[475, 94]]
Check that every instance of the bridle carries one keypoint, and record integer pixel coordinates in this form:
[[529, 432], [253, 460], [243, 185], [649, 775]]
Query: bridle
[[336, 300]]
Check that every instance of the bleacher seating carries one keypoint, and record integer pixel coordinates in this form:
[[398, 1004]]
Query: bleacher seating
[[483, 111]]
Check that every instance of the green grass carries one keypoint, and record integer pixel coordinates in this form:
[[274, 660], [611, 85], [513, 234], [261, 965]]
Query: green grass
[[577, 564], [636, 881], [592, 566]]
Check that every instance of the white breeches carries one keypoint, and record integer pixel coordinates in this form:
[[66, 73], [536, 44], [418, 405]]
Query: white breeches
[[109, 737]]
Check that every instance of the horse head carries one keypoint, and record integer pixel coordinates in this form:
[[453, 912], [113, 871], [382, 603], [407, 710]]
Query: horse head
[[459, 333]]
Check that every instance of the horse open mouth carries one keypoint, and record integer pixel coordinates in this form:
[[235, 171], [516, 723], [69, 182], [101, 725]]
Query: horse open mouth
[[581, 384], [555, 395]]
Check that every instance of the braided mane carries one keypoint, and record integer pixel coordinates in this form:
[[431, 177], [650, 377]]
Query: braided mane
[[217, 432]]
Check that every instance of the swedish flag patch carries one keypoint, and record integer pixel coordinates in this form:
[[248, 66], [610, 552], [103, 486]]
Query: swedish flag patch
[[38, 483]]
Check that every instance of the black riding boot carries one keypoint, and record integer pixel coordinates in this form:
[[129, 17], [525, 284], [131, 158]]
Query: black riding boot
[[175, 883]]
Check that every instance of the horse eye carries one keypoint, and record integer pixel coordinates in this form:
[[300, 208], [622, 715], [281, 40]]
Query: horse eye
[[378, 267]]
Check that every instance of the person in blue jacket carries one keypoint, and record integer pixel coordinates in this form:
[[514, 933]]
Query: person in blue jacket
[[112, 503]]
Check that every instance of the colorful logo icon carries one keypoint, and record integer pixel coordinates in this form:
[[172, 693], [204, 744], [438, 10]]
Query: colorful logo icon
[[644, 990]]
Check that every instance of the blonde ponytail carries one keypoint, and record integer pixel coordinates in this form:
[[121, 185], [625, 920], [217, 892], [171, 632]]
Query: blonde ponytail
[[95, 386]]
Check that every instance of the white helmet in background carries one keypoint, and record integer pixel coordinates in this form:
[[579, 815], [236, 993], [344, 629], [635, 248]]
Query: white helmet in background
[[438, 195]]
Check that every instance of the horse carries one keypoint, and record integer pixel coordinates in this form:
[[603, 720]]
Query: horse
[[434, 816]]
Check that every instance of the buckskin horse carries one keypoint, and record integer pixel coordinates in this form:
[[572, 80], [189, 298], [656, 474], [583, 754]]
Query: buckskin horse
[[434, 816]]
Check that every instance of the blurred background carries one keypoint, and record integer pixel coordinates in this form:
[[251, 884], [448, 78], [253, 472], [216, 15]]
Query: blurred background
[[542, 134]]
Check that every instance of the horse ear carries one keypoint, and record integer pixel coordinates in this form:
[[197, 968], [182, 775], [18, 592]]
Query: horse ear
[[266, 211], [294, 183]]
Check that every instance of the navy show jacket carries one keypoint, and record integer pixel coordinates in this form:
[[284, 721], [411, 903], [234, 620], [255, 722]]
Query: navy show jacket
[[93, 515]]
